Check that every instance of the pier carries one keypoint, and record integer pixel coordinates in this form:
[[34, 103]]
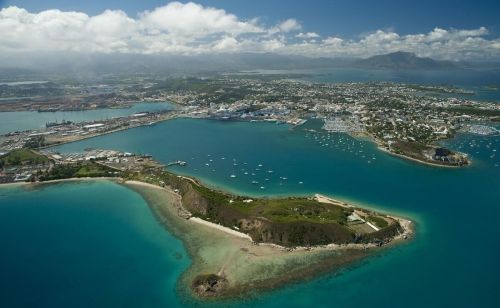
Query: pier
[[178, 162]]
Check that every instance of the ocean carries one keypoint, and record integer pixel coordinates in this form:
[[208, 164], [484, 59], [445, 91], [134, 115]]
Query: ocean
[[85, 244], [453, 260], [97, 244]]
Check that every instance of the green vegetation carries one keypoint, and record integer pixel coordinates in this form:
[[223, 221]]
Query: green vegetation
[[471, 110], [87, 169], [93, 170], [378, 221], [294, 210], [283, 221], [387, 232], [23, 157], [280, 210]]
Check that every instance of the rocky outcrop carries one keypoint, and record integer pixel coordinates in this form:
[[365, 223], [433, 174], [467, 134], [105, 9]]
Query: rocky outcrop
[[210, 285]]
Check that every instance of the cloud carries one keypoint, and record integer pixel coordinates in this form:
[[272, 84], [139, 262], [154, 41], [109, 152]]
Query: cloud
[[332, 41], [194, 20], [307, 35], [289, 25], [190, 28]]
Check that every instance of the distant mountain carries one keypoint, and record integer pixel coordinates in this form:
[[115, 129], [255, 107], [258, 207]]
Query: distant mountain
[[98, 64], [402, 61]]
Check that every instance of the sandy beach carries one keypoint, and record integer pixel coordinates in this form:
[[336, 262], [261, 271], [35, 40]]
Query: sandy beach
[[406, 224], [383, 149], [246, 266]]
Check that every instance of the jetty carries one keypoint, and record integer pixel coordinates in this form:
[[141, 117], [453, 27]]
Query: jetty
[[177, 162]]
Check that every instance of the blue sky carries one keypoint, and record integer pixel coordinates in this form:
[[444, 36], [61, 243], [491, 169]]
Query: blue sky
[[453, 30], [347, 18]]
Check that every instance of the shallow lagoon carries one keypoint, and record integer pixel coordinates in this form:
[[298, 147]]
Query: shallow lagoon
[[85, 244]]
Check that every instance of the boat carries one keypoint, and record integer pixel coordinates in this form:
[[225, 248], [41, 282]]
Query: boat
[[232, 176]]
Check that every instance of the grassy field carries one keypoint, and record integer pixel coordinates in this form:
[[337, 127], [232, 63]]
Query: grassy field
[[92, 170], [284, 210], [23, 157], [87, 169], [410, 147], [295, 209], [378, 221]]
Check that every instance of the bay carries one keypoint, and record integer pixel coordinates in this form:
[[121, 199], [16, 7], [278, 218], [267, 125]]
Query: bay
[[85, 244], [26, 120], [452, 261]]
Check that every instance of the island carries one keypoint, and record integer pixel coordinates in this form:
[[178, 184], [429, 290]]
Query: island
[[238, 244]]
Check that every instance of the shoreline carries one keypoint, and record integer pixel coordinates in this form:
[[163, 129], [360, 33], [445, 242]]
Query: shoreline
[[424, 162], [83, 179], [221, 228], [384, 149], [380, 147], [406, 224], [81, 138], [245, 268]]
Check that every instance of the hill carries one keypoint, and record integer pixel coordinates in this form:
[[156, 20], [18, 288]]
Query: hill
[[402, 60]]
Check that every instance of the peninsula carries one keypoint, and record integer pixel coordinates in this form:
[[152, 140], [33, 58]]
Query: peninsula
[[238, 244]]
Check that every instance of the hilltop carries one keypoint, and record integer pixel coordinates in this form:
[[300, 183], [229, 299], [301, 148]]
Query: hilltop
[[402, 60]]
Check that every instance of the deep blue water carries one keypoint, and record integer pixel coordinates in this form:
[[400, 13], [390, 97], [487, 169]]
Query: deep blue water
[[91, 244], [24, 120], [452, 262]]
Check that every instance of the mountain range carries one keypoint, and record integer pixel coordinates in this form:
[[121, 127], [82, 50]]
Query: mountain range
[[403, 61], [126, 64]]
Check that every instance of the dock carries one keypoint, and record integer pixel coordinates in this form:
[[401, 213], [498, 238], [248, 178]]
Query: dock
[[178, 162]]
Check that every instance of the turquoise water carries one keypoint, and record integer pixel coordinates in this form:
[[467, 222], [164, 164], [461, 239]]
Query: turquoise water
[[452, 262], [24, 120], [91, 244]]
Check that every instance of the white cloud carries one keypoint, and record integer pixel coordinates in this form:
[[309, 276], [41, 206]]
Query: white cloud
[[289, 25], [332, 41], [189, 28], [194, 20], [307, 35]]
